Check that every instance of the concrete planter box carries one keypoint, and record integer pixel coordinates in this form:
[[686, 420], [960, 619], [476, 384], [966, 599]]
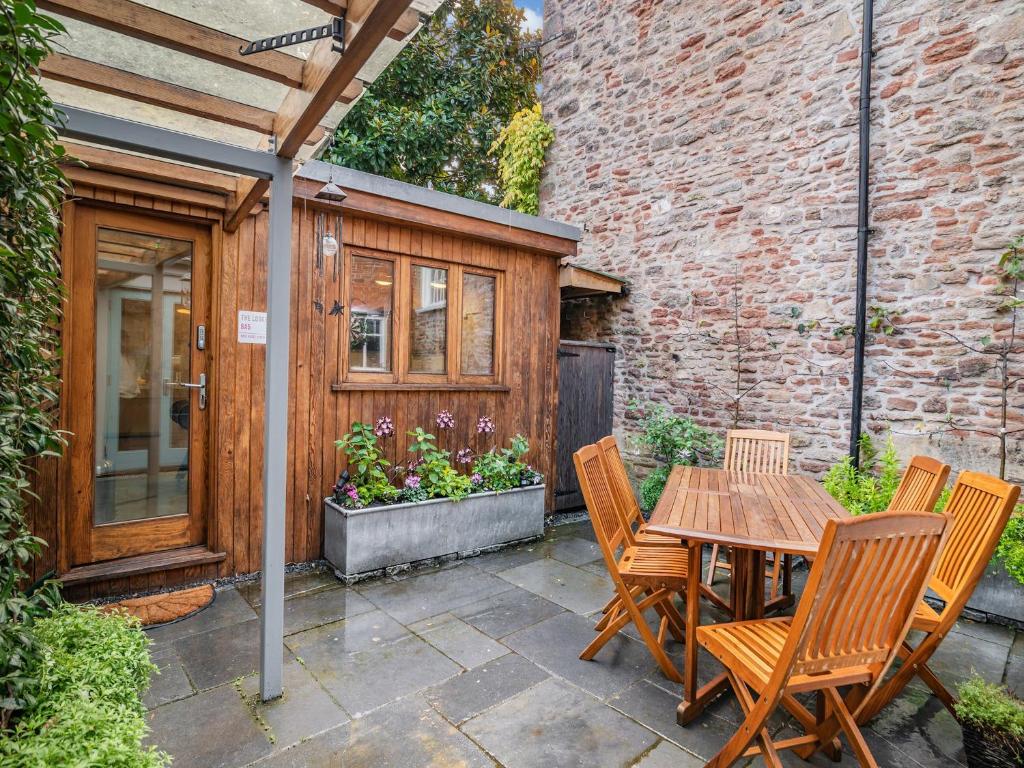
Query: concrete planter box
[[362, 542], [999, 594]]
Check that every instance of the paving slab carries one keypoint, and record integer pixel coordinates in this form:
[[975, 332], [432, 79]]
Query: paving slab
[[213, 729], [228, 608], [477, 690], [405, 734], [294, 584], [960, 655], [418, 597], [169, 682], [460, 642], [312, 609], [220, 655], [920, 726], [511, 557], [667, 755], [1014, 675], [573, 550], [364, 680], [507, 612], [555, 644], [573, 588], [304, 710], [990, 633], [554, 723], [357, 633]]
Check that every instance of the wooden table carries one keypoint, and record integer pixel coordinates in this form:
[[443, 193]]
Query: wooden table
[[752, 513]]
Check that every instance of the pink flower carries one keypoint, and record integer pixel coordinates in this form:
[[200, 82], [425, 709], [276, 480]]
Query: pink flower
[[445, 420], [412, 481], [464, 456], [384, 427], [476, 478], [351, 492], [484, 425], [413, 464]]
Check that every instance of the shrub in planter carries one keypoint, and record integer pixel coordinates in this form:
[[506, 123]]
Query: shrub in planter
[[993, 724], [672, 440], [866, 489], [93, 670]]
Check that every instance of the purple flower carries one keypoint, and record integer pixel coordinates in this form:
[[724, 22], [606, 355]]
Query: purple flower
[[384, 427], [464, 456], [412, 481], [413, 464], [476, 478], [351, 492], [445, 420], [484, 425]]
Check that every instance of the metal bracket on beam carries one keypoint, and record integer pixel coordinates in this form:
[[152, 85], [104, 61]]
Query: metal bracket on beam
[[335, 30]]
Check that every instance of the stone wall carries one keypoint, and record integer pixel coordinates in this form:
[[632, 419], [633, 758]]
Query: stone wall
[[709, 149]]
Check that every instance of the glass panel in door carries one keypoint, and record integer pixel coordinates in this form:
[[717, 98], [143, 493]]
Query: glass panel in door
[[143, 358]]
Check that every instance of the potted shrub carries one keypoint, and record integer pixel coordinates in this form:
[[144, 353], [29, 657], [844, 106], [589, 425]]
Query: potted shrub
[[993, 724], [380, 516]]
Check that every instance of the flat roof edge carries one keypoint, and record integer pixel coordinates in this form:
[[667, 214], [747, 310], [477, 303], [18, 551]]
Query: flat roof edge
[[347, 178]]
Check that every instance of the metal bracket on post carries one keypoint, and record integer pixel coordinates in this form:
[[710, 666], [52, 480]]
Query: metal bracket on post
[[335, 30]]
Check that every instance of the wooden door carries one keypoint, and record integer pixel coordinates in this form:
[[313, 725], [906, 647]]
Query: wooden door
[[585, 388], [137, 384]]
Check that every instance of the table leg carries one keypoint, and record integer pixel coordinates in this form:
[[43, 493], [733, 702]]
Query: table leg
[[747, 587]]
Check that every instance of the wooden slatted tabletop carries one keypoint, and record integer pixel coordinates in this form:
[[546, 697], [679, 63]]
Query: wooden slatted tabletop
[[741, 509]]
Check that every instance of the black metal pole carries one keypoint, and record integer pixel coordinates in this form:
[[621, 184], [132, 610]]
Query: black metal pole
[[860, 325]]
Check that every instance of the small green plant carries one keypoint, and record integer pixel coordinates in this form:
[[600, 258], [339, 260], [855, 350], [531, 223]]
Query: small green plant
[[1011, 545], [501, 469], [520, 147], [93, 669], [366, 480], [433, 469], [992, 711], [869, 488], [672, 440]]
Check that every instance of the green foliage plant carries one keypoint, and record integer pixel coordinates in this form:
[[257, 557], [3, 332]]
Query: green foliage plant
[[672, 440], [367, 480], [993, 711], [1010, 549], [520, 147], [502, 469], [437, 477], [432, 115], [92, 669], [871, 487], [32, 189]]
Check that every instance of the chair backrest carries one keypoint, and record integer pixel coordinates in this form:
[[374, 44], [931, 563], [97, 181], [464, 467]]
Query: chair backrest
[[921, 485], [980, 505], [622, 491], [866, 582], [597, 493], [757, 450]]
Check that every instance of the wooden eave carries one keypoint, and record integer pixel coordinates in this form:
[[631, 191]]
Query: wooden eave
[[578, 282]]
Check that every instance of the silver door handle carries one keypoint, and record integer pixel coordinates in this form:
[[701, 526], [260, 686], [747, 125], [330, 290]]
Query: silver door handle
[[201, 386]]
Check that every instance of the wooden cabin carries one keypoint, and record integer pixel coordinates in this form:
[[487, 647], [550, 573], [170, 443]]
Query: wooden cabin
[[430, 303]]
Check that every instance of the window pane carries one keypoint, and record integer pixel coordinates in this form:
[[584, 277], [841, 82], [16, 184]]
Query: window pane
[[428, 342], [477, 325], [372, 290]]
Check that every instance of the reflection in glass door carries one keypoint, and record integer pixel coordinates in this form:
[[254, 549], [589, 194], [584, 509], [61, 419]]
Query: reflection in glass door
[[143, 364]]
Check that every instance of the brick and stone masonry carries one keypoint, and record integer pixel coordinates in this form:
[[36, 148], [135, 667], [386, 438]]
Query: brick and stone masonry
[[709, 150]]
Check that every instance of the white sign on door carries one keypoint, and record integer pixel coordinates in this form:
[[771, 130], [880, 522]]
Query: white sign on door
[[252, 327]]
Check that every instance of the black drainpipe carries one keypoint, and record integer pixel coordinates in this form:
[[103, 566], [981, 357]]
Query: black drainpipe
[[860, 326]]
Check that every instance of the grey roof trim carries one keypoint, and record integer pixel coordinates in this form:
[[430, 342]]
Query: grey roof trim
[[346, 178]]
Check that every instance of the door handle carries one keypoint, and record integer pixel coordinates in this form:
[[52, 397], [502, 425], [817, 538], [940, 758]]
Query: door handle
[[201, 386]]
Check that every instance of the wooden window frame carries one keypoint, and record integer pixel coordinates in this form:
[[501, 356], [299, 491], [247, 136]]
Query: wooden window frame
[[401, 311]]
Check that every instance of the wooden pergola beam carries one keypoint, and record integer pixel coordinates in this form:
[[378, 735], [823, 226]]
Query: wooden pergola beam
[[169, 31], [150, 169]]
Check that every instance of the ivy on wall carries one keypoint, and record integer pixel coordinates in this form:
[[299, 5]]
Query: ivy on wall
[[32, 189], [520, 147]]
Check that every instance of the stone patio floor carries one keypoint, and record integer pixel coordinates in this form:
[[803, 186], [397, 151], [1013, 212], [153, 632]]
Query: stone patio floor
[[475, 663]]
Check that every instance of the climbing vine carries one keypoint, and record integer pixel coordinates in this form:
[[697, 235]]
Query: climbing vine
[[32, 189], [520, 147]]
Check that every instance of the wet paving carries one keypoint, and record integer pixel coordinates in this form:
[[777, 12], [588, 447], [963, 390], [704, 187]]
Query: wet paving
[[476, 663]]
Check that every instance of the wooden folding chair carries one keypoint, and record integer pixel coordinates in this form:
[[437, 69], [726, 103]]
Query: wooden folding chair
[[763, 452], [980, 506], [644, 576], [857, 607], [921, 485]]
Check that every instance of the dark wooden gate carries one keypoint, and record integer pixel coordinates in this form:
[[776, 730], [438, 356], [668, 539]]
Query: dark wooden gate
[[585, 388]]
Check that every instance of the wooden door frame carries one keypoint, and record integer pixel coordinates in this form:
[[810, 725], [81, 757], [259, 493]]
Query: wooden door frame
[[77, 486]]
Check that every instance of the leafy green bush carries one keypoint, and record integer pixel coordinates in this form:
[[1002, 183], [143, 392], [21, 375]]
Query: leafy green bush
[[1011, 545], [993, 710], [501, 469], [520, 147], [32, 189], [869, 488], [433, 470], [93, 669], [672, 440], [366, 479]]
